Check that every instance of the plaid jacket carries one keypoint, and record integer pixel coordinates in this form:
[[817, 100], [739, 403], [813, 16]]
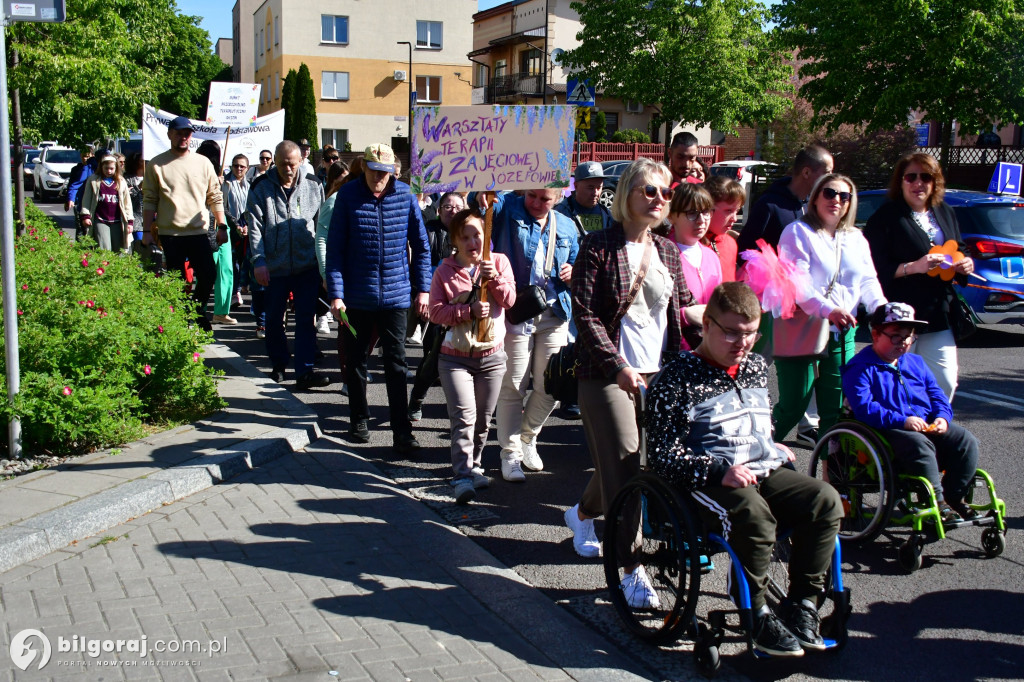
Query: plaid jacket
[[600, 280]]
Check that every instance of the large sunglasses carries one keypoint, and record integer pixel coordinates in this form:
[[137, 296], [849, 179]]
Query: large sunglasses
[[829, 193], [332, 158], [910, 178], [266, 158], [651, 191]]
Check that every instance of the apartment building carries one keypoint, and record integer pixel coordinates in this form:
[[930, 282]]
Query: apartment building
[[362, 75], [241, 30], [516, 46]]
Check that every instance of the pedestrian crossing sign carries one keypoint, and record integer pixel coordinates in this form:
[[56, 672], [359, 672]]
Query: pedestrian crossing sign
[[579, 93], [583, 118]]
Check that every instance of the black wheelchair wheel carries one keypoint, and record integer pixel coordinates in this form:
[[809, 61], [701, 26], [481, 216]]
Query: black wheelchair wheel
[[852, 458], [992, 542], [778, 571], [648, 525]]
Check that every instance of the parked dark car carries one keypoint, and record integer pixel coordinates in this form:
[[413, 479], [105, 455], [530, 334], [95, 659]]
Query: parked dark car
[[992, 226], [30, 153], [613, 170]]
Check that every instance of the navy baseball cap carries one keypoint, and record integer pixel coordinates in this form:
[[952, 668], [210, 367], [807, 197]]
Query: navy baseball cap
[[180, 123]]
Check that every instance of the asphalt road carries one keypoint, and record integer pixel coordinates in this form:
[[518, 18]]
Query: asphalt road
[[958, 618]]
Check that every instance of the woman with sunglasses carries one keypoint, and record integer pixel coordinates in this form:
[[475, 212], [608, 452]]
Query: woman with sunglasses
[[901, 234], [627, 292], [690, 217], [842, 277]]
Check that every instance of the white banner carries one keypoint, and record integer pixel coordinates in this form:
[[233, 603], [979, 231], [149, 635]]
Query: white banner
[[264, 133]]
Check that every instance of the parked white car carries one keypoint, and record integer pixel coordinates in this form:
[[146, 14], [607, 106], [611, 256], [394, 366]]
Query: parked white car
[[53, 168], [743, 172]]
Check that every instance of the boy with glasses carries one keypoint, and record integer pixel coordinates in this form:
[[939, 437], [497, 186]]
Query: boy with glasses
[[892, 390], [710, 435]]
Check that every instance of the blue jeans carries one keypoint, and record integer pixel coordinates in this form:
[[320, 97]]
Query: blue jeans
[[304, 286]]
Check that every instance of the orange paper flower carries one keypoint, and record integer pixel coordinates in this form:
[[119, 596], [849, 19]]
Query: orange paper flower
[[951, 255]]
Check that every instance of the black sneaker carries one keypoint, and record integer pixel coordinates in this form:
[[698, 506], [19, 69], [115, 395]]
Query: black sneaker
[[771, 637], [405, 445], [947, 513], [809, 437], [312, 380], [803, 621], [966, 512], [277, 375], [359, 431]]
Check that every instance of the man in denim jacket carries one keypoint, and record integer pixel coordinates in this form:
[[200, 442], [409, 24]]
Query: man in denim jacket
[[520, 231]]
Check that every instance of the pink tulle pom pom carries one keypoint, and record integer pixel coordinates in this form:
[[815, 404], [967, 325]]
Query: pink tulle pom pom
[[779, 283]]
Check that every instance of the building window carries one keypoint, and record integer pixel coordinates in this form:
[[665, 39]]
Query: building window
[[500, 67], [277, 85], [428, 89], [481, 75], [336, 138], [334, 85], [261, 42], [428, 35], [529, 61], [277, 30], [333, 29]]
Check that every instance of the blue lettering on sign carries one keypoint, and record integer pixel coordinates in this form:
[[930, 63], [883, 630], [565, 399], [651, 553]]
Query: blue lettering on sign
[[1013, 268]]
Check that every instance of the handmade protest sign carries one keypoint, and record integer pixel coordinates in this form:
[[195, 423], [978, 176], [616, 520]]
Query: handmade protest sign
[[233, 104], [487, 147]]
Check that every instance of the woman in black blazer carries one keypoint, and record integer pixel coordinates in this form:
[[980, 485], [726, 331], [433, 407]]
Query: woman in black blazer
[[900, 234]]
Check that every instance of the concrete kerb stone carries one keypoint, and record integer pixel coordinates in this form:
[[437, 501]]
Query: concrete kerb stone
[[53, 530]]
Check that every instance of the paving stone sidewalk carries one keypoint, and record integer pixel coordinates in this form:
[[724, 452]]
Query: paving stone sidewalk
[[49, 509], [311, 567]]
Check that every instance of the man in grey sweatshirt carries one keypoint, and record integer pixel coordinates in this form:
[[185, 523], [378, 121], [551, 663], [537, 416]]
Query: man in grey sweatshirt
[[282, 209]]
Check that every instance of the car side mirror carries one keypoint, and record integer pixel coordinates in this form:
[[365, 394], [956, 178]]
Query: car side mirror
[[35, 159]]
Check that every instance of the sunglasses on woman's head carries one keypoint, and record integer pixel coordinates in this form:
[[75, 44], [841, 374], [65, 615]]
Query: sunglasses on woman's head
[[651, 191], [912, 177], [829, 193]]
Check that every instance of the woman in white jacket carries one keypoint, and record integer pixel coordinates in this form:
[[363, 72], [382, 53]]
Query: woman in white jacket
[[842, 278]]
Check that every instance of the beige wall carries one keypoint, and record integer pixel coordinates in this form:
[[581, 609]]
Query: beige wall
[[241, 25]]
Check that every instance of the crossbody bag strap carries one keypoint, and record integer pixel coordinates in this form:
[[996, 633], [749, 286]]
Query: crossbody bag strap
[[549, 257], [638, 282], [835, 275]]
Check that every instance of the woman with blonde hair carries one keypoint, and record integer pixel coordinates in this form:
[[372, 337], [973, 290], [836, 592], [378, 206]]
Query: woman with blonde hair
[[842, 276], [627, 293]]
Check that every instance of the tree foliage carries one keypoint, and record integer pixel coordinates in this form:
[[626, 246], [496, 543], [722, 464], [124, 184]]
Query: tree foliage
[[600, 122], [288, 104], [305, 108], [88, 77], [701, 61], [873, 63], [631, 135]]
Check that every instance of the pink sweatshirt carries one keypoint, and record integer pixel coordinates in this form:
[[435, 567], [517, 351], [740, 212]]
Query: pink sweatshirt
[[451, 280]]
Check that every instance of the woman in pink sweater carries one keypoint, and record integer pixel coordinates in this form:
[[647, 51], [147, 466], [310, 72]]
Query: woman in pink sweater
[[472, 359]]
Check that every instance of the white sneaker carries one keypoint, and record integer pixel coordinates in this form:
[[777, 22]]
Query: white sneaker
[[638, 590], [323, 325], [584, 540], [532, 460], [512, 470]]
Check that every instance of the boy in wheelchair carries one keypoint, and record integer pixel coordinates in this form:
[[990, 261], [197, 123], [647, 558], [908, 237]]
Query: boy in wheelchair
[[892, 390], [710, 435]]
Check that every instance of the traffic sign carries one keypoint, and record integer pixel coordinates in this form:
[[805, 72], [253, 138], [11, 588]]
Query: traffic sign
[[1006, 179], [579, 93], [583, 118], [40, 10]]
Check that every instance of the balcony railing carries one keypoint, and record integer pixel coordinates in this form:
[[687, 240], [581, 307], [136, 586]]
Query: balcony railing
[[512, 87]]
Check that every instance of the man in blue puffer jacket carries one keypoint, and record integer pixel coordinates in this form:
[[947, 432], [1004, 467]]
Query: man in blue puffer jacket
[[369, 275], [893, 390]]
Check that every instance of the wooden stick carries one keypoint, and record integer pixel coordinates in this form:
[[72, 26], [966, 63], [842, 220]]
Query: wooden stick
[[481, 333]]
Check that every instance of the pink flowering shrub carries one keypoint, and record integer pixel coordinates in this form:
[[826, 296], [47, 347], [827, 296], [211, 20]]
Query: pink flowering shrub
[[106, 348]]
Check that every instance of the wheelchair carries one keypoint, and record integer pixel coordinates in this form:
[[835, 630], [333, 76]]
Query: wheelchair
[[855, 459], [676, 550]]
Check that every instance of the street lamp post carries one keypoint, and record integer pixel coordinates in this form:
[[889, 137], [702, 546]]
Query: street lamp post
[[408, 77]]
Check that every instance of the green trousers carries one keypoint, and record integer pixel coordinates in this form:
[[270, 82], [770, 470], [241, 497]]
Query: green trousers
[[798, 377], [224, 284]]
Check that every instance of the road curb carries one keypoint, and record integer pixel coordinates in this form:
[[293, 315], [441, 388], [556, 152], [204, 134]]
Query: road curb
[[50, 531]]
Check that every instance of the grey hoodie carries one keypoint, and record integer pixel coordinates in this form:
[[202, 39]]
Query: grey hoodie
[[282, 229]]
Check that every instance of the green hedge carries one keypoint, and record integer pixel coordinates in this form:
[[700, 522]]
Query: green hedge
[[107, 352]]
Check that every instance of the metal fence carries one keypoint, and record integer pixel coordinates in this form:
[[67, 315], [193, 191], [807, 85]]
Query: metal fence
[[620, 151]]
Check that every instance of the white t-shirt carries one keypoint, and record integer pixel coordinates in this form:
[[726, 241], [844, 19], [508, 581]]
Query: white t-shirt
[[643, 331]]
